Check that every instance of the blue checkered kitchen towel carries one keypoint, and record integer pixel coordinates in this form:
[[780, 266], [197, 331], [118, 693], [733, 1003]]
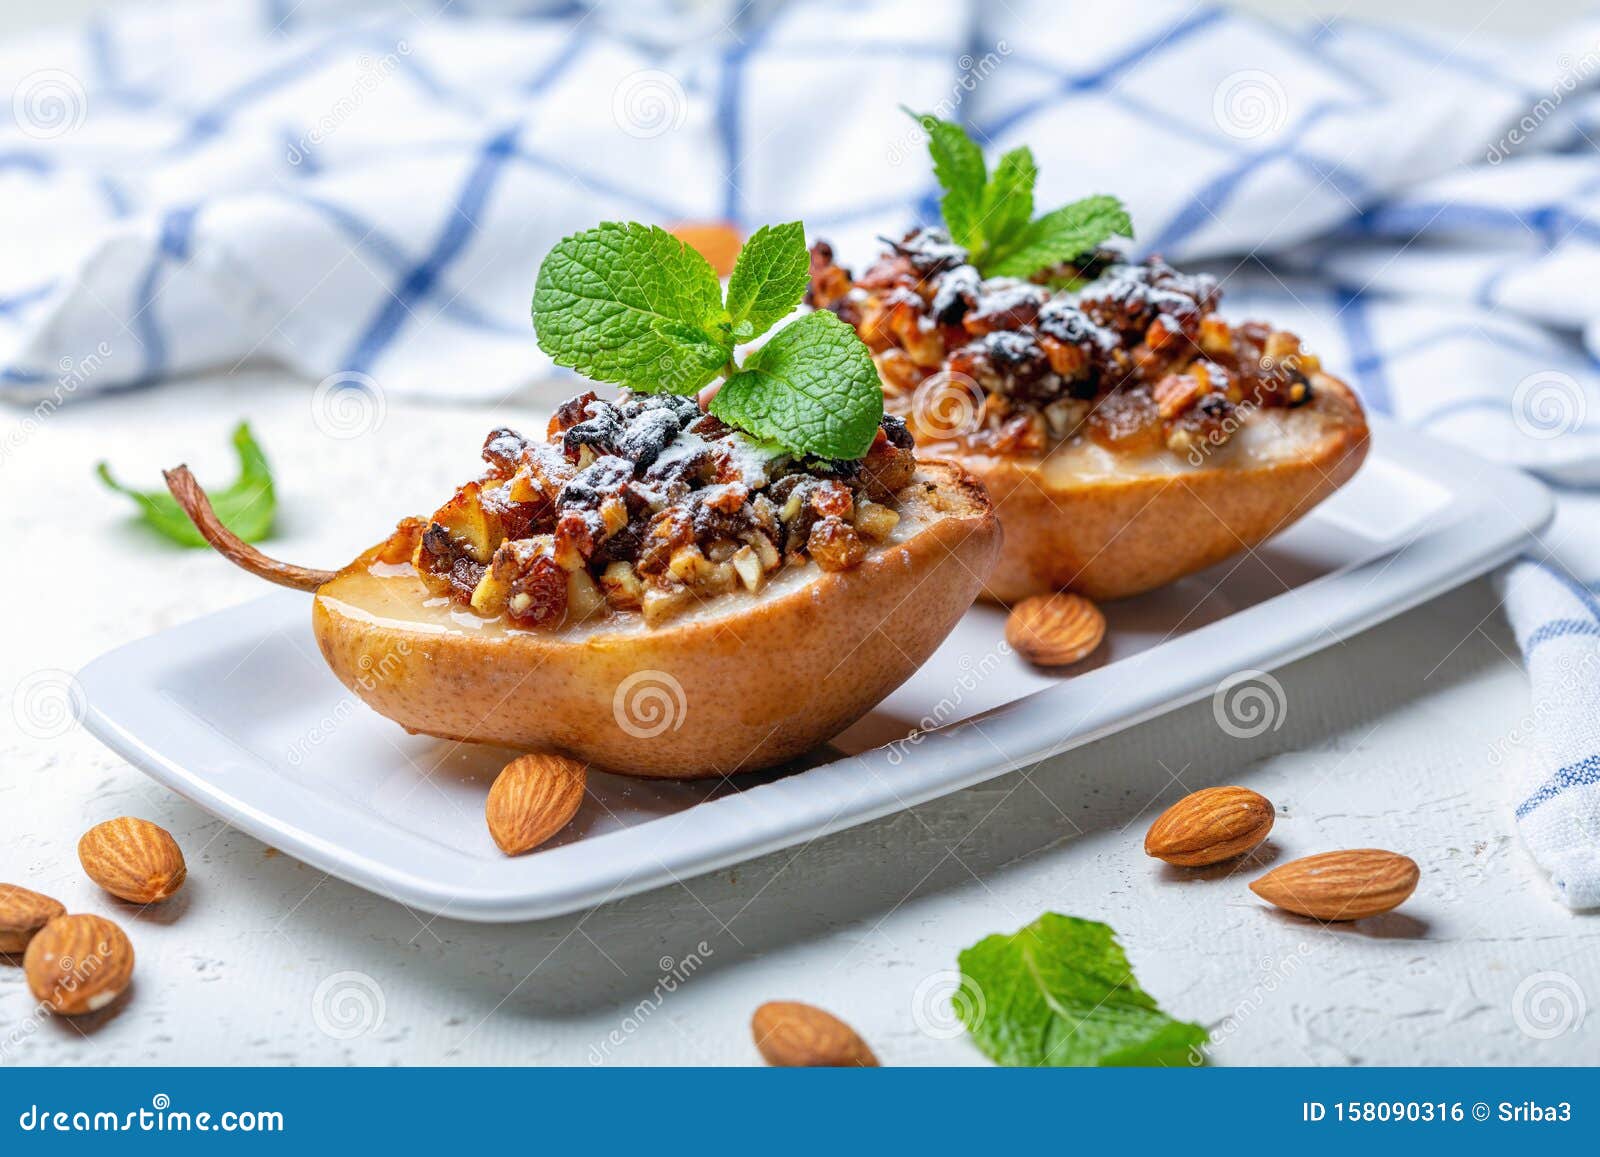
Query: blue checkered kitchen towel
[[363, 191]]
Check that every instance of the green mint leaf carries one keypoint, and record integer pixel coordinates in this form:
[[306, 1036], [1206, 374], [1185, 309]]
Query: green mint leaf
[[246, 508], [1060, 993], [1068, 232], [958, 166], [813, 389], [1008, 197], [632, 304], [769, 279]]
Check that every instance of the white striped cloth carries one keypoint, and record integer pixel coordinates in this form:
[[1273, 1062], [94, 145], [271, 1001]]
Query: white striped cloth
[[362, 192]]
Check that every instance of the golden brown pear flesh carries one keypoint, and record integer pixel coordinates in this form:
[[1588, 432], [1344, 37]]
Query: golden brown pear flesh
[[740, 682], [1108, 526]]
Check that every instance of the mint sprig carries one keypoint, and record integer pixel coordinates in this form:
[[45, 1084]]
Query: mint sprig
[[247, 507], [1060, 993], [801, 390], [991, 215], [631, 304]]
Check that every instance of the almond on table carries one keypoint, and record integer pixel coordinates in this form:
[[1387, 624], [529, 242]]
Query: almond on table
[[1347, 885], [1209, 826], [78, 964], [22, 914], [133, 859], [790, 1034]]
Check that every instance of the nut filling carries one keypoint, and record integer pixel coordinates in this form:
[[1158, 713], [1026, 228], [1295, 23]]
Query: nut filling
[[1134, 357], [649, 504]]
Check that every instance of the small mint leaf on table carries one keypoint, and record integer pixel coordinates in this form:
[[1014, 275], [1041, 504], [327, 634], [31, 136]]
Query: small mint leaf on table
[[631, 304], [1060, 993], [247, 507], [958, 166], [769, 279], [812, 388], [1058, 236]]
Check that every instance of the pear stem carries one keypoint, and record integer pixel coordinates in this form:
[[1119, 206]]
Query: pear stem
[[230, 546]]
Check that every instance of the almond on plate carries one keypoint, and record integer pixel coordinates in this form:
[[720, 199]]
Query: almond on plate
[[133, 859], [1209, 826], [1340, 885], [533, 799], [794, 1035], [78, 964], [22, 914], [1055, 630]]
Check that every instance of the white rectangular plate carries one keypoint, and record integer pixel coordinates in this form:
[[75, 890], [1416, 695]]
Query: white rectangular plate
[[237, 713]]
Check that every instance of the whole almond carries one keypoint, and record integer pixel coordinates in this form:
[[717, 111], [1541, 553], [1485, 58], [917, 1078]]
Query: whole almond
[[533, 799], [78, 964], [794, 1035], [1340, 885], [133, 859], [1055, 630], [22, 914], [1209, 826]]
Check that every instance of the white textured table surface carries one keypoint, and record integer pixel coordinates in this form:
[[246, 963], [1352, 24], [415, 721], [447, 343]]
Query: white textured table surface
[[1387, 741]]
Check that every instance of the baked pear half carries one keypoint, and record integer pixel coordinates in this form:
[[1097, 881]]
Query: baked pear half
[[651, 591], [1127, 434]]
